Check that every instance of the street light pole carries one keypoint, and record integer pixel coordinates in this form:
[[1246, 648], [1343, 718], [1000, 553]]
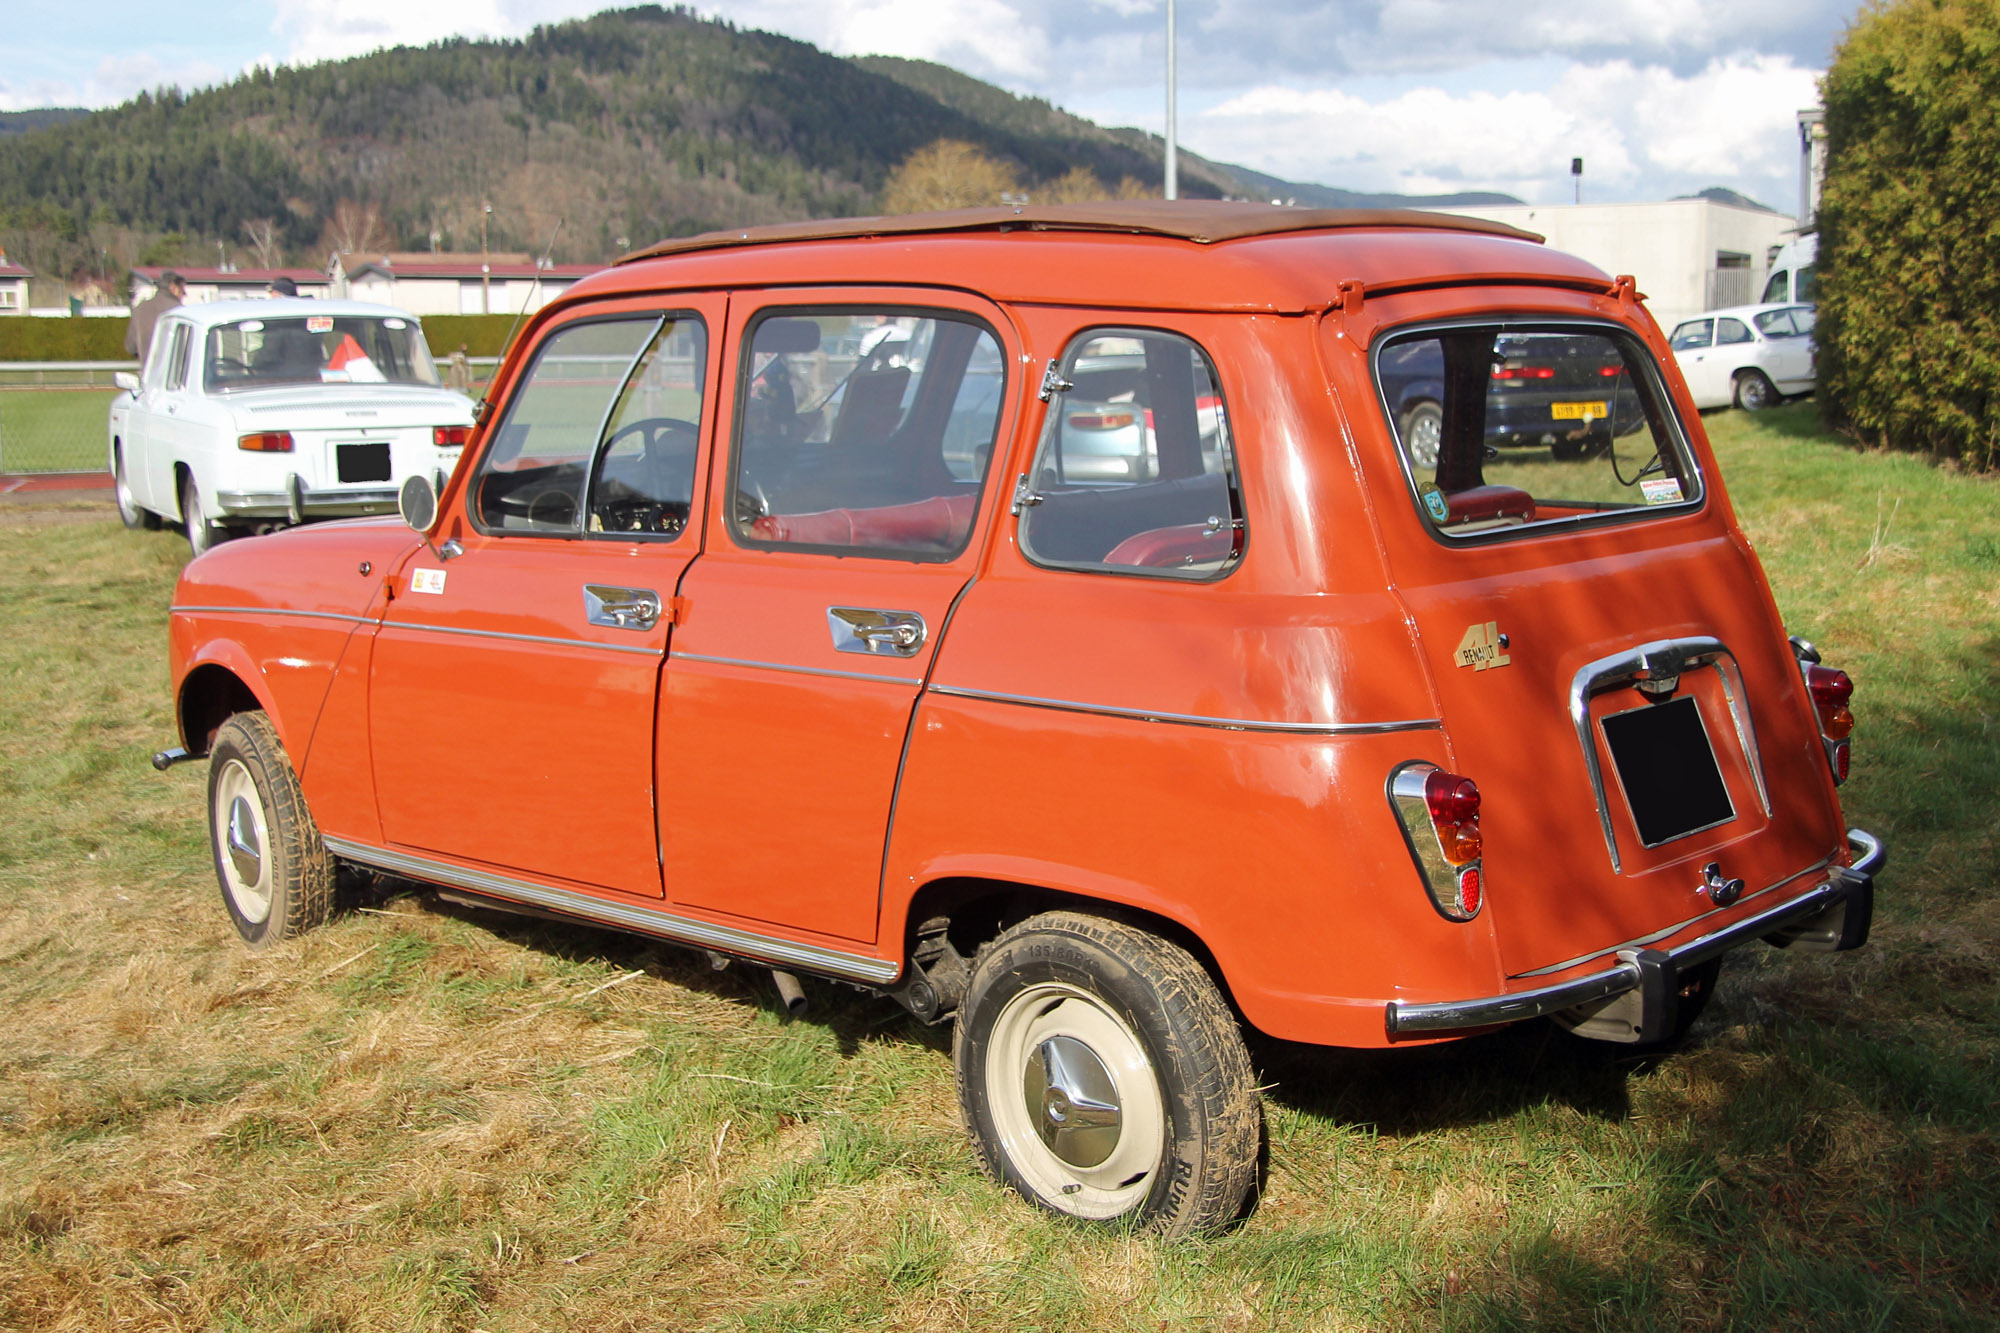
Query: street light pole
[[485, 267], [1173, 147]]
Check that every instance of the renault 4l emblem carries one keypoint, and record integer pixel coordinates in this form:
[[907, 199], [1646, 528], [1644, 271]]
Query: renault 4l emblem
[[1483, 646]]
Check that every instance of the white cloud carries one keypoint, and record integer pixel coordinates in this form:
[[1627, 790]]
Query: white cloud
[[115, 79], [332, 29]]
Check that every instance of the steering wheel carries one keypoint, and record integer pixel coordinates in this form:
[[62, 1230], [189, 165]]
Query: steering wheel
[[633, 494]]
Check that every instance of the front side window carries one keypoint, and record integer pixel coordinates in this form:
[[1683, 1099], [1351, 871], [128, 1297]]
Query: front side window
[[1807, 286], [1136, 470], [865, 432], [317, 349], [601, 435], [1503, 426]]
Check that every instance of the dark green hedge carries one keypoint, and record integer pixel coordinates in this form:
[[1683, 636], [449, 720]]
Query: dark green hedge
[[483, 335], [1909, 296], [34, 338]]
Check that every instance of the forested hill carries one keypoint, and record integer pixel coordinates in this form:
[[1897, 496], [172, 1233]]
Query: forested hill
[[629, 126]]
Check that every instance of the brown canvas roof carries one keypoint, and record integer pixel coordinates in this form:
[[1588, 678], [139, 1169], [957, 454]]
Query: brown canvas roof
[[1202, 221]]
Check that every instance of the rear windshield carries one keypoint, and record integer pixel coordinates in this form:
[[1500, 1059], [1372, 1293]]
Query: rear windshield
[[1507, 426], [317, 349]]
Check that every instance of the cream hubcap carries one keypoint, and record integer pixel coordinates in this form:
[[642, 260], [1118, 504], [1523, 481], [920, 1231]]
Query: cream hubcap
[[242, 839]]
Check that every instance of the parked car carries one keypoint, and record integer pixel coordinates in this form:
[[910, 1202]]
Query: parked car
[[1308, 730], [1752, 356], [257, 414], [1545, 392]]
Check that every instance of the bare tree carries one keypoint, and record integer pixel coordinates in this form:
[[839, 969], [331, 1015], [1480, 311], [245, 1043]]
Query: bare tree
[[945, 174], [263, 234], [353, 227], [1078, 185]]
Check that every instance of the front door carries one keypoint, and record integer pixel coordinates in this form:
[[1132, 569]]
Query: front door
[[847, 522], [514, 683]]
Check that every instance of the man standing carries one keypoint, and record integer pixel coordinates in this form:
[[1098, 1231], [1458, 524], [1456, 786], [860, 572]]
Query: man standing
[[139, 332]]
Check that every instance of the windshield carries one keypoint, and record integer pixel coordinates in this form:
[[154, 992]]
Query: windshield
[[1505, 426], [317, 349]]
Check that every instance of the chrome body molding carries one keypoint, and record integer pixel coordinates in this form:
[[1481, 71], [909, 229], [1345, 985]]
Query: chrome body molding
[[794, 670], [321, 504], [625, 916], [1833, 915], [267, 611], [1195, 719], [1648, 661], [521, 638]]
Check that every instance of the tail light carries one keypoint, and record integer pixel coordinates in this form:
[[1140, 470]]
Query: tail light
[[1610, 372], [1440, 817], [450, 437], [1524, 372], [266, 442], [1831, 691]]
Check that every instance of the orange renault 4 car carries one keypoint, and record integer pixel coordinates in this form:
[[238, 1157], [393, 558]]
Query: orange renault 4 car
[[1039, 617]]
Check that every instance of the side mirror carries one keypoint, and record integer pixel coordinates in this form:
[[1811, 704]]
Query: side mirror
[[125, 380], [417, 502]]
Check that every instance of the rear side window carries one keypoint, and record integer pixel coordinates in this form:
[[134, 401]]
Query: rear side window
[[865, 432], [1731, 331], [1136, 469], [1505, 426], [1696, 333]]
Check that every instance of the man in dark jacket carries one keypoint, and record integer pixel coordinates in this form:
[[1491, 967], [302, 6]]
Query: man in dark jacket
[[146, 315]]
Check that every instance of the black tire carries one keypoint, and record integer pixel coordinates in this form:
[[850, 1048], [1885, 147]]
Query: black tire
[[1755, 392], [129, 512], [1423, 433], [1102, 1076], [1567, 451], [276, 876], [201, 533]]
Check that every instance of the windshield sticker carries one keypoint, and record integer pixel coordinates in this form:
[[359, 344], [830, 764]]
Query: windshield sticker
[[427, 580], [1435, 504], [1661, 490], [319, 323]]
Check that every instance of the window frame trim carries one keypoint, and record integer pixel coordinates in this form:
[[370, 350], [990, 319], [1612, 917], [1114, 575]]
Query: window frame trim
[[1553, 527], [1235, 473], [747, 349]]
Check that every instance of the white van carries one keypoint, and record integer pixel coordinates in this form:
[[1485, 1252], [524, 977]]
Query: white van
[[1794, 272]]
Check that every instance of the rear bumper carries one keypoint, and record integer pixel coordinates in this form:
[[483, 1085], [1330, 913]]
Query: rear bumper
[[300, 502], [1828, 918]]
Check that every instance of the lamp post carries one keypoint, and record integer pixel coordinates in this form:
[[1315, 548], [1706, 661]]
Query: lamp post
[[485, 268], [1173, 149]]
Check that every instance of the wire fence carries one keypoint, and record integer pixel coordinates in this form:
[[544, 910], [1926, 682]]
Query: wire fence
[[55, 415]]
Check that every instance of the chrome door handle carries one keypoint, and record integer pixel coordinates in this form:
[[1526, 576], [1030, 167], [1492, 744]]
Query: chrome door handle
[[621, 608], [860, 629]]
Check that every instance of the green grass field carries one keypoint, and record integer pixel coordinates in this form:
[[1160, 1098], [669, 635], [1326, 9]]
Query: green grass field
[[54, 430], [426, 1118]]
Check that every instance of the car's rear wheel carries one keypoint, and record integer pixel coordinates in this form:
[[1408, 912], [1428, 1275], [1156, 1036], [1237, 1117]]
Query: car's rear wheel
[[201, 532], [1754, 391], [1103, 1077], [276, 876], [1423, 433], [129, 512]]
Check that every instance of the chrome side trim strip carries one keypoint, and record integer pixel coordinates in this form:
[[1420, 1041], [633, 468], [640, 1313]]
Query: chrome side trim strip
[[1644, 941], [1196, 719], [1403, 1017], [521, 638], [266, 611], [627, 916], [794, 670]]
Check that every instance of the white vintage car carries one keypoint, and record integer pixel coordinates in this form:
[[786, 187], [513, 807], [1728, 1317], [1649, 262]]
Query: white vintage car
[[1754, 356], [250, 415]]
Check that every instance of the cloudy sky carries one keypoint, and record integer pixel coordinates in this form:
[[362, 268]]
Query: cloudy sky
[[1659, 97]]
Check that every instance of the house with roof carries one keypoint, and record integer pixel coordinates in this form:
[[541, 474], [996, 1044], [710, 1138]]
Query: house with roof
[[453, 284], [228, 283], [13, 287]]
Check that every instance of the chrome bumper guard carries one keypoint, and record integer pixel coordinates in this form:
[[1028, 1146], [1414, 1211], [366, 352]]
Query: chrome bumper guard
[[1832, 917]]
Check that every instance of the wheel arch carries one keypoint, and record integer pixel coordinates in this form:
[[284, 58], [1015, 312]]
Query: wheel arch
[[216, 687]]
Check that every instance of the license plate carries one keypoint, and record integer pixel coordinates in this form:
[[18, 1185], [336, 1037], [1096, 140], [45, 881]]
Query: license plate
[[1580, 411], [362, 462], [1667, 767]]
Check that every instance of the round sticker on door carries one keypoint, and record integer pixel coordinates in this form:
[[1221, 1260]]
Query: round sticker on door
[[1435, 504]]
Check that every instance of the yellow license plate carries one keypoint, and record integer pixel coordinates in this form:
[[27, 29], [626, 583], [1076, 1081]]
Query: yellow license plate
[[1579, 411]]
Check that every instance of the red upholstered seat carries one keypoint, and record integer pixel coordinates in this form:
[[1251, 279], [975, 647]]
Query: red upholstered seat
[[1160, 548], [940, 522], [1485, 503]]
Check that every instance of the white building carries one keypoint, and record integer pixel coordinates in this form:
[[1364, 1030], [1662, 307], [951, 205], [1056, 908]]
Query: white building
[[227, 284], [13, 287], [453, 284], [1688, 255]]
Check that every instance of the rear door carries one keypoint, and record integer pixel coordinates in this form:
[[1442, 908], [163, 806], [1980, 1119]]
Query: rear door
[[840, 535], [1544, 591]]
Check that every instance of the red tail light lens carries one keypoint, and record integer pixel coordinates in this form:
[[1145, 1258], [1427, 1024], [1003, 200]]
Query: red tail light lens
[[1610, 372], [1524, 372], [1451, 799], [450, 437], [1830, 689], [266, 442]]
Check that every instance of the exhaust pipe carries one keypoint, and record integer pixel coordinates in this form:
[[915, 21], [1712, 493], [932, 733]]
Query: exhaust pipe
[[790, 992]]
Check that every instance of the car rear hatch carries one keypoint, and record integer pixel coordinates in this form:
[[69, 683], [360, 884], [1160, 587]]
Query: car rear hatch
[[359, 438], [1610, 672]]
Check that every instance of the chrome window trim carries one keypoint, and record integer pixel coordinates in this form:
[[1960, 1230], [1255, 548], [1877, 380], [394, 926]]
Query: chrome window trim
[[1619, 668], [794, 670], [1195, 719], [629, 916]]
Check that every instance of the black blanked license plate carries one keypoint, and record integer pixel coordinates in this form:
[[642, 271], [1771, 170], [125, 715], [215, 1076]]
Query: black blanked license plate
[[362, 462], [1667, 767]]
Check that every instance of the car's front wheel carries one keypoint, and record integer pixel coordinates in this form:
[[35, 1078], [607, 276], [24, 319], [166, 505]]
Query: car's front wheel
[[1103, 1077], [129, 512], [276, 875], [1754, 391]]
